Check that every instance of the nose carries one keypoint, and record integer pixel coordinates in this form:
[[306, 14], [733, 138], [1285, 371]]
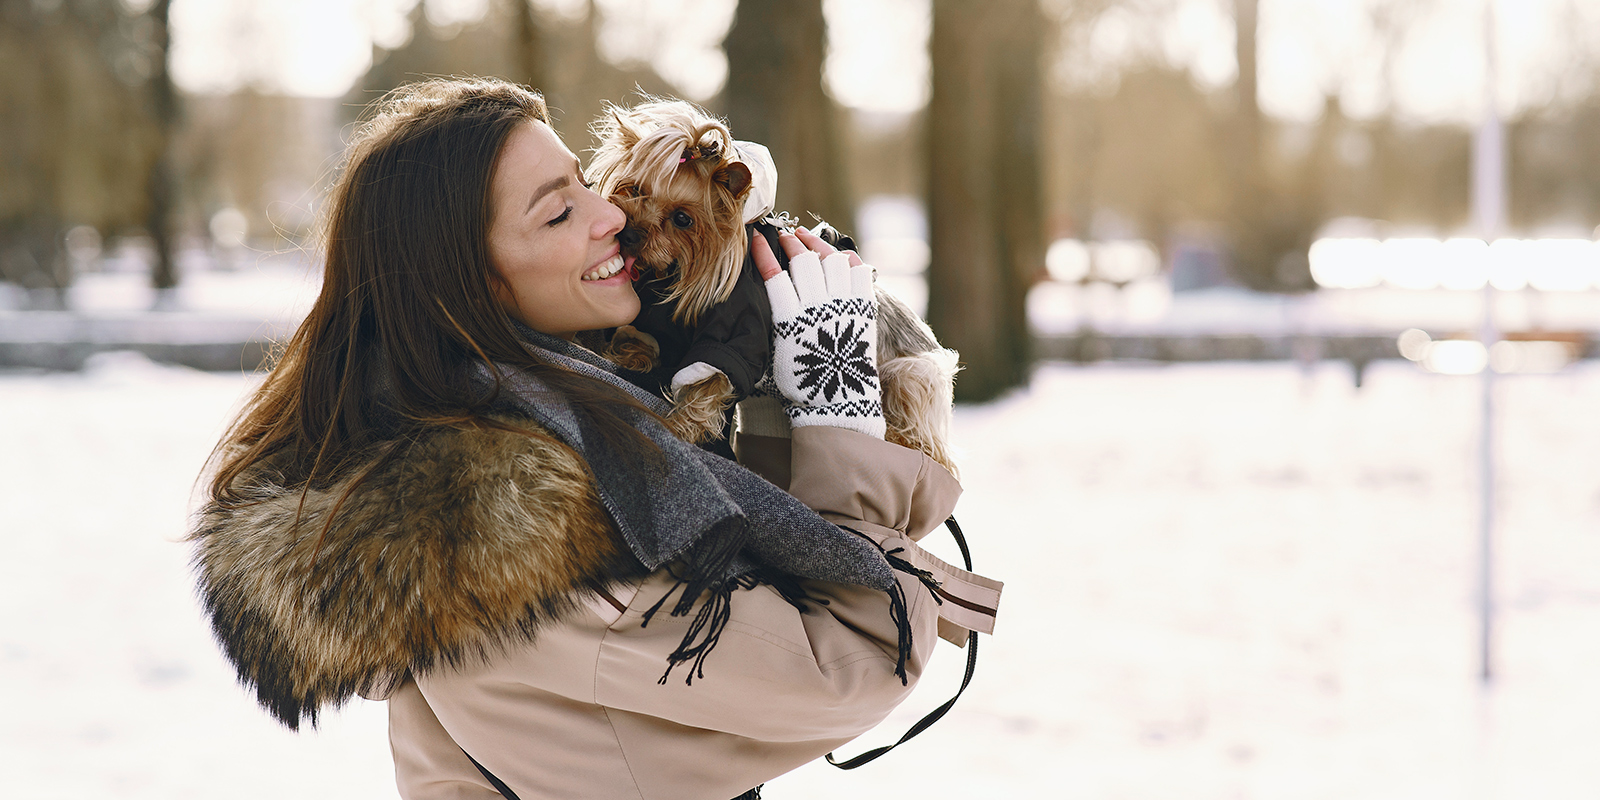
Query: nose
[[630, 238], [609, 221]]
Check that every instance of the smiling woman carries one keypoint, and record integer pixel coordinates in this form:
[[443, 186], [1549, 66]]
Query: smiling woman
[[437, 497], [553, 241]]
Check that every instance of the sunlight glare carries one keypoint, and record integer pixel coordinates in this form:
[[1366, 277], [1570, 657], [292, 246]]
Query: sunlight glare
[[1508, 263], [1412, 263], [1345, 263], [1456, 357], [1465, 264], [1067, 260], [1563, 265]]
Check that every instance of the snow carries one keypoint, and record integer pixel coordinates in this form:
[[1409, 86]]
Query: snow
[[1223, 581], [1150, 307], [270, 285]]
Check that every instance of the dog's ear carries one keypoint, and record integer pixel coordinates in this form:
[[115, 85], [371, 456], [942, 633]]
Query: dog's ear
[[734, 176], [622, 126]]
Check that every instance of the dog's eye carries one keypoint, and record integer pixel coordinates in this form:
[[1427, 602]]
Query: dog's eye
[[682, 219], [628, 190]]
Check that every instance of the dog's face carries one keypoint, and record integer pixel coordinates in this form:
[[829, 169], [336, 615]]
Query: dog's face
[[687, 220], [687, 225], [670, 167]]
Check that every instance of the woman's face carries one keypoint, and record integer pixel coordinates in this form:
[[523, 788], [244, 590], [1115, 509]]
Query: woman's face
[[553, 242]]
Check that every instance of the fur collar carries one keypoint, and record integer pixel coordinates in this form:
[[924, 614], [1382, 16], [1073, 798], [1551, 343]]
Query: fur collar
[[464, 543]]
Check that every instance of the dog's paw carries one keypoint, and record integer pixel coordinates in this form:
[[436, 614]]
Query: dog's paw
[[700, 409], [633, 349], [693, 430], [917, 393]]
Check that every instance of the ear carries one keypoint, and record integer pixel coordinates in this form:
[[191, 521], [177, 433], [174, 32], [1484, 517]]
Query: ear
[[735, 176], [622, 123]]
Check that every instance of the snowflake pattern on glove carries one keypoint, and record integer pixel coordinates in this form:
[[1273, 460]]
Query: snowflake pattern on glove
[[825, 349], [835, 361]]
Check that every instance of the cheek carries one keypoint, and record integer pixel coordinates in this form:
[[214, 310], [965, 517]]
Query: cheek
[[630, 307], [508, 295], [501, 282], [522, 276]]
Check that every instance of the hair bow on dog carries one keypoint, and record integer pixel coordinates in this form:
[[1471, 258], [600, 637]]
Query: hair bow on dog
[[708, 150]]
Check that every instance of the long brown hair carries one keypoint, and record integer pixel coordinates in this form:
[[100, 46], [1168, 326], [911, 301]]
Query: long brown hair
[[406, 297]]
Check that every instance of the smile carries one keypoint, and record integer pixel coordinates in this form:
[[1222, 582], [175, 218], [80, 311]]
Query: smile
[[606, 269]]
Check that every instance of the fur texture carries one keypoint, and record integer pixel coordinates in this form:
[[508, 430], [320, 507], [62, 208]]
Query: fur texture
[[918, 380], [672, 169], [698, 409], [631, 348], [308, 625]]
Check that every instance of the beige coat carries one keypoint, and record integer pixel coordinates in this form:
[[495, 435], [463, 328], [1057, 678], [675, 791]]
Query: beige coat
[[579, 714], [482, 563]]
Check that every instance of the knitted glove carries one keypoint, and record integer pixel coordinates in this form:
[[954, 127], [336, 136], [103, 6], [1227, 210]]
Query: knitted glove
[[825, 341]]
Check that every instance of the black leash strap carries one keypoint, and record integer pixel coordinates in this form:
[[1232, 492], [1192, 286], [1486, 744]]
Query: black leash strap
[[499, 785], [936, 714]]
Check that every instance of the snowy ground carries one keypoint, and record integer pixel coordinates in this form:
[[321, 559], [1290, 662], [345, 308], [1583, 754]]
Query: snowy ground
[[1224, 581], [1150, 307]]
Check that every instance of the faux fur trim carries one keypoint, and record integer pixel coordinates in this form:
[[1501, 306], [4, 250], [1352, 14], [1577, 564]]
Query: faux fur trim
[[462, 543]]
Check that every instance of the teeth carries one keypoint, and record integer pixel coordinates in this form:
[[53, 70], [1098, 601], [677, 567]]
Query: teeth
[[606, 270]]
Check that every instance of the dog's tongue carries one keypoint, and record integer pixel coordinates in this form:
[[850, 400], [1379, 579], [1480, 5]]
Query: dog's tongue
[[627, 266]]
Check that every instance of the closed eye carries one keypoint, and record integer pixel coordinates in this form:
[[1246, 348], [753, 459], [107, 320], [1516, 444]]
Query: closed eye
[[565, 214]]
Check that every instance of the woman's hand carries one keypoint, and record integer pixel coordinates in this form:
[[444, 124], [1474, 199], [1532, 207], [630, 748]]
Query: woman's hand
[[824, 326], [794, 244]]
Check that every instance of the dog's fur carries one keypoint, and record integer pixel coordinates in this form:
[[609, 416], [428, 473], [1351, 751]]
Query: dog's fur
[[312, 612], [918, 381], [672, 170], [667, 159]]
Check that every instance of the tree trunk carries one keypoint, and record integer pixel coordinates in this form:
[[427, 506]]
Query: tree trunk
[[1247, 111], [162, 183], [1271, 225], [985, 205], [1250, 256], [774, 96], [530, 47], [1019, 167], [36, 131]]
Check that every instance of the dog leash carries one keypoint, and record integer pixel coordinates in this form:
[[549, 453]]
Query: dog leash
[[938, 713]]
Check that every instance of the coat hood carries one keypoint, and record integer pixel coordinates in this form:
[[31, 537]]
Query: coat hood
[[444, 548]]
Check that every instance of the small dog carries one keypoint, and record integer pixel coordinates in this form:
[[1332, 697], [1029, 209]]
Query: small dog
[[688, 190]]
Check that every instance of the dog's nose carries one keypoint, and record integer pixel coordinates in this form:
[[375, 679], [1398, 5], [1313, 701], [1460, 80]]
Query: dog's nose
[[630, 238]]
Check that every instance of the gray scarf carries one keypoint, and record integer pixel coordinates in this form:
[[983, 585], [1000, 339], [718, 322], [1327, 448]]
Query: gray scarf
[[716, 525]]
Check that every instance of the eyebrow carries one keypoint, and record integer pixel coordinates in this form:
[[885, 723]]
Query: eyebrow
[[550, 186]]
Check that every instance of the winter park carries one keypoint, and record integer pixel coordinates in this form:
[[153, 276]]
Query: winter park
[[1277, 320]]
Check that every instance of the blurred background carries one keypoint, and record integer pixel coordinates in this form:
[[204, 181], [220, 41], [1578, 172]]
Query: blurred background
[[1273, 313]]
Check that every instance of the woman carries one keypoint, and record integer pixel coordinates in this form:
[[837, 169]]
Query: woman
[[438, 498]]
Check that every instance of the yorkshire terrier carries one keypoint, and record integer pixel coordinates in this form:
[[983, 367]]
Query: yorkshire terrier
[[689, 191]]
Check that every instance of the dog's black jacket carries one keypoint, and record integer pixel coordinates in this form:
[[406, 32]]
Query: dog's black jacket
[[734, 336]]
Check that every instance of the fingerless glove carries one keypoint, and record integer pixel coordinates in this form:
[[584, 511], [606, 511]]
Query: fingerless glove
[[824, 329]]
